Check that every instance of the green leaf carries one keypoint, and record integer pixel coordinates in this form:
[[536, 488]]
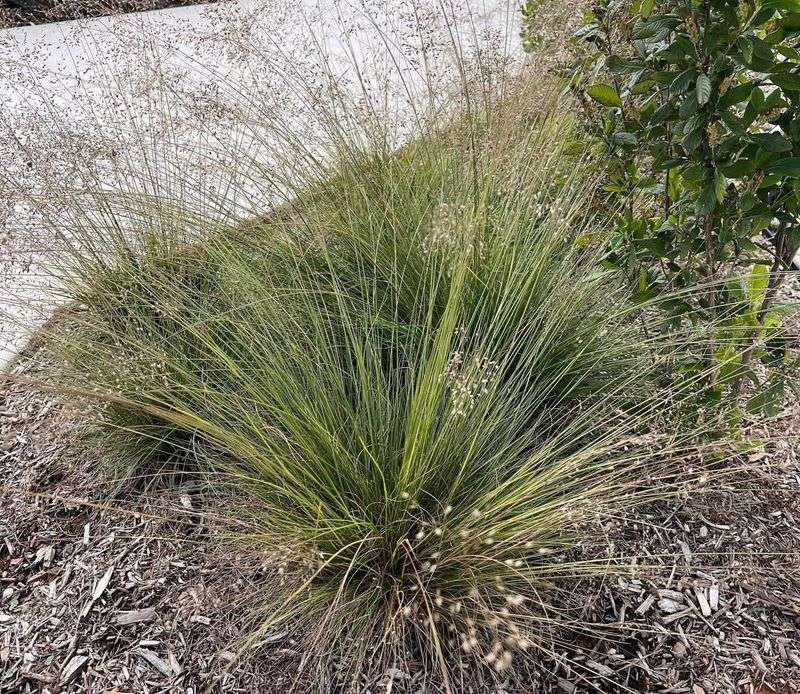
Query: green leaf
[[694, 173], [624, 139], [698, 121], [787, 5], [790, 167], [707, 200], [688, 106], [739, 168], [664, 76], [772, 142], [736, 290], [757, 99], [788, 52], [789, 82], [604, 94], [703, 87], [720, 183], [775, 349], [684, 80], [747, 49], [643, 86], [617, 64], [747, 202], [678, 51], [730, 365], [647, 8], [662, 113], [773, 100], [775, 37], [655, 245], [761, 49], [790, 22], [735, 125], [656, 28], [757, 285], [768, 401], [735, 95]]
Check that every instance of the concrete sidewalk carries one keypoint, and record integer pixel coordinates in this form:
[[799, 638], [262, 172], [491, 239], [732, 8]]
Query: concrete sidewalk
[[78, 99]]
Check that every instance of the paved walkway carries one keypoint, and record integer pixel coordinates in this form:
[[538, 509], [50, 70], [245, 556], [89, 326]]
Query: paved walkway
[[79, 99]]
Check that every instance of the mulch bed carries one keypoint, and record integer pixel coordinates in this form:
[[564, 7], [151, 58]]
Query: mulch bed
[[139, 593], [22, 12], [107, 592]]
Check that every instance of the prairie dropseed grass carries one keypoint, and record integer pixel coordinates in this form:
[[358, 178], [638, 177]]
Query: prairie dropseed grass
[[414, 378]]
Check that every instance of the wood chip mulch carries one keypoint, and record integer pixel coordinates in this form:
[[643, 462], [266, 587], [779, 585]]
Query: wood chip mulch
[[100, 595], [714, 605], [97, 594]]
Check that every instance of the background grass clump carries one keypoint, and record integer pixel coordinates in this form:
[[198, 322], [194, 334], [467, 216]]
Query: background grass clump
[[415, 377]]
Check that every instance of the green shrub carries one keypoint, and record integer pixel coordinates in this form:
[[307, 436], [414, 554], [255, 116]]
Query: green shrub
[[420, 379], [696, 107]]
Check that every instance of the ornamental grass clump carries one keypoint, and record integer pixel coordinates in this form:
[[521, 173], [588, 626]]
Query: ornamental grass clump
[[414, 380]]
